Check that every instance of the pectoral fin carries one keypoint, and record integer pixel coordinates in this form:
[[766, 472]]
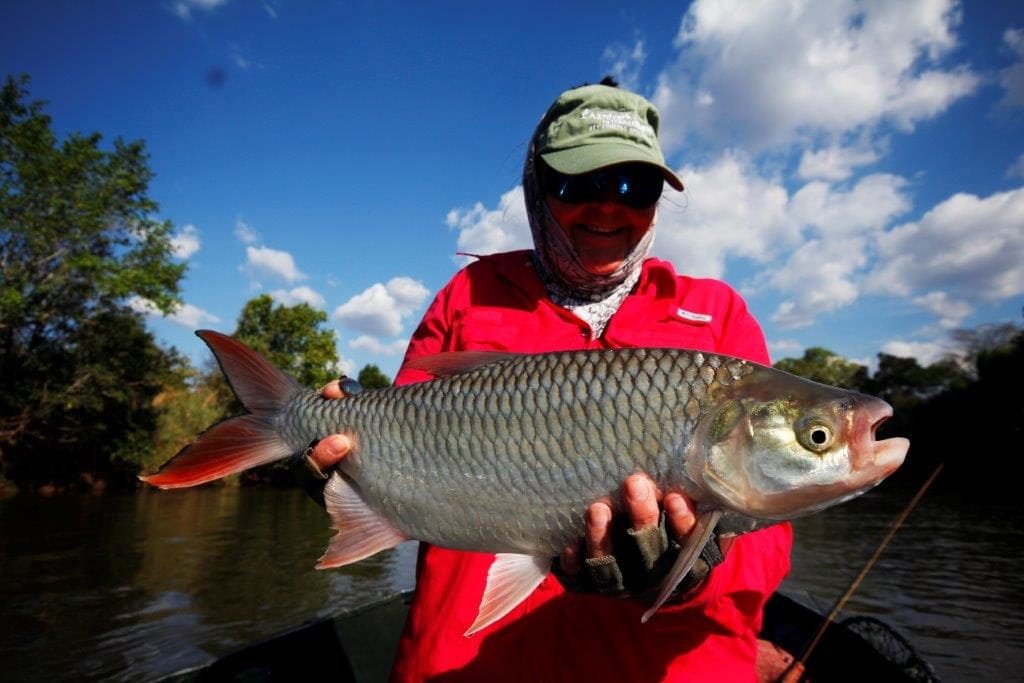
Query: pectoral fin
[[687, 556], [361, 530], [510, 579]]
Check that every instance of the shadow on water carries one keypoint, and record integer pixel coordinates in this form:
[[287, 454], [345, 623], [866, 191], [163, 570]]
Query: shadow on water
[[130, 587], [135, 587]]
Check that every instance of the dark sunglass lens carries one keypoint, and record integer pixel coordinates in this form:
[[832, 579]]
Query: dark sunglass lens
[[637, 186], [640, 187]]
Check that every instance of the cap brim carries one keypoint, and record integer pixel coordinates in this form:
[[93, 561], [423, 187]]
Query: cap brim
[[587, 158]]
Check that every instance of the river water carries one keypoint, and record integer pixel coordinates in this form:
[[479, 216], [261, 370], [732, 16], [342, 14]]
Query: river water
[[138, 586]]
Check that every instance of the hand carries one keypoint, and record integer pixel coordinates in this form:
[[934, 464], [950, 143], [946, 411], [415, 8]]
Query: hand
[[631, 554], [329, 451]]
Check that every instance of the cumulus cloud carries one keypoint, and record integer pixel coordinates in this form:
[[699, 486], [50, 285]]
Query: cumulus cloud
[[813, 246], [298, 295], [967, 246], [186, 315], [926, 352], [185, 242], [841, 227], [834, 163], [487, 231], [375, 346], [380, 309], [731, 211], [785, 348], [773, 73], [272, 262], [950, 312]]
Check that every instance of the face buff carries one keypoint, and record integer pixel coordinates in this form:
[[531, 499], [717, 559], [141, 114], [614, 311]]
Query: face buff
[[592, 298]]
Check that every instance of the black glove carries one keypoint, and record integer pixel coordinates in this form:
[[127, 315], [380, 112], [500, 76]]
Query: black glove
[[640, 564]]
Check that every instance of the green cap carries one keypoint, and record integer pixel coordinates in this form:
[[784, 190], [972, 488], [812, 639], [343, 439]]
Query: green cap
[[595, 126]]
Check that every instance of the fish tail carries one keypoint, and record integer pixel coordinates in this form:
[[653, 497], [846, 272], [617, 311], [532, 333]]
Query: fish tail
[[238, 443]]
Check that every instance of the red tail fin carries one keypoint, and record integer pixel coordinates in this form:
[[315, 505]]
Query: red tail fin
[[243, 442], [240, 443]]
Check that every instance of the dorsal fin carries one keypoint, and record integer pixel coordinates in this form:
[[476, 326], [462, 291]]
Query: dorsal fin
[[262, 388], [454, 362]]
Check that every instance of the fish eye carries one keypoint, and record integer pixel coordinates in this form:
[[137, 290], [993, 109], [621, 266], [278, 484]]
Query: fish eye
[[815, 436]]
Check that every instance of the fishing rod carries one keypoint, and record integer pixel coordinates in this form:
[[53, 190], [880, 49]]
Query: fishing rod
[[795, 670]]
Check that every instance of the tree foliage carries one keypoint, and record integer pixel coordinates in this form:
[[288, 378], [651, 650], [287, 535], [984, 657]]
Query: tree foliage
[[822, 365], [370, 377], [77, 242]]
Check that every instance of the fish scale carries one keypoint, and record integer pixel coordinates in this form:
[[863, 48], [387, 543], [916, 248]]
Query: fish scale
[[471, 453]]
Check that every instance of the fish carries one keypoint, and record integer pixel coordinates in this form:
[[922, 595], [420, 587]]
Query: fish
[[504, 452]]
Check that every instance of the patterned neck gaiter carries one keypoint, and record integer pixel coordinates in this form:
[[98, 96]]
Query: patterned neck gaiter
[[592, 298]]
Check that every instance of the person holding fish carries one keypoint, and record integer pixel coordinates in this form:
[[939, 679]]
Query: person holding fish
[[592, 178]]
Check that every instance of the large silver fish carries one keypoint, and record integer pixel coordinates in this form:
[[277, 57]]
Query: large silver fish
[[503, 453]]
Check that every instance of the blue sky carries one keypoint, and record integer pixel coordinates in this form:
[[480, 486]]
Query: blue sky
[[855, 169]]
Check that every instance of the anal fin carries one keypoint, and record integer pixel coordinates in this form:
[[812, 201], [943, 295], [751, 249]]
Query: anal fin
[[510, 579], [361, 530], [687, 556]]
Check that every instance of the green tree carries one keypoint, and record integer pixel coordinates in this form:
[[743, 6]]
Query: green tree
[[821, 365], [290, 337], [77, 242], [370, 377]]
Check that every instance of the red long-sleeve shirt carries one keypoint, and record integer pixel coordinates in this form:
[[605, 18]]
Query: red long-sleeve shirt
[[499, 303]]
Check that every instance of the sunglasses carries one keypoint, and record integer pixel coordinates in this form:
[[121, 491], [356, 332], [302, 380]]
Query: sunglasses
[[636, 185]]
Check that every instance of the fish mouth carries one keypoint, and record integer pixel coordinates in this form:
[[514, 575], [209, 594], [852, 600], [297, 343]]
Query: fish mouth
[[888, 454]]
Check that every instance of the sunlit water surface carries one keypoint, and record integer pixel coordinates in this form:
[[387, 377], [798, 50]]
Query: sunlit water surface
[[136, 587]]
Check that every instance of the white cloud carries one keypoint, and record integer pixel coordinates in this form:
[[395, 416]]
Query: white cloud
[[819, 277], [950, 312], [825, 273], [1012, 77], [870, 205], [785, 348], [185, 242], [186, 315], [183, 8], [769, 74], [272, 262], [926, 353], [730, 211], [813, 246], [375, 346], [380, 309], [245, 233], [299, 295], [408, 294], [484, 231], [834, 163], [969, 247]]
